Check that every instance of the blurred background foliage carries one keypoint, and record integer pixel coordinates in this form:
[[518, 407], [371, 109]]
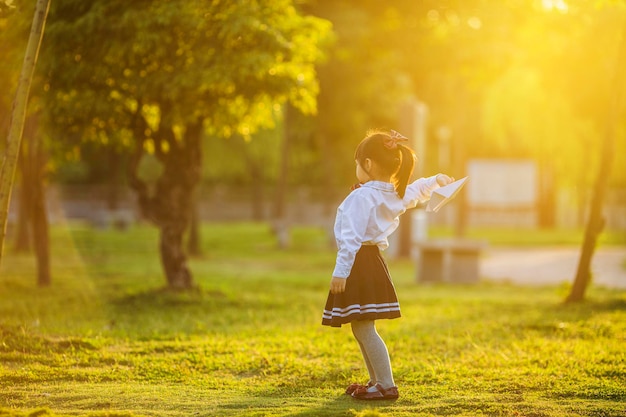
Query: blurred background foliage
[[511, 78]]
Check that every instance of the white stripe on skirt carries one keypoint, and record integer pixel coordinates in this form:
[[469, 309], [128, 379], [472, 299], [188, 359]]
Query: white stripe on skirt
[[361, 309]]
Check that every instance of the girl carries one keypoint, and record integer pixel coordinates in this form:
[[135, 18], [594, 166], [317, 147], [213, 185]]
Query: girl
[[361, 290]]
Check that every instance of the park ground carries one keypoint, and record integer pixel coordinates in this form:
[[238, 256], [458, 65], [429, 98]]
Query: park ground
[[106, 340]]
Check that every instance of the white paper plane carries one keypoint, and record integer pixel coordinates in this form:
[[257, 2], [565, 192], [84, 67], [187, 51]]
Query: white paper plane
[[441, 196]]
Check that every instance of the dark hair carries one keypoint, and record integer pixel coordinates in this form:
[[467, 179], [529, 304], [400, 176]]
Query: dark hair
[[396, 161]]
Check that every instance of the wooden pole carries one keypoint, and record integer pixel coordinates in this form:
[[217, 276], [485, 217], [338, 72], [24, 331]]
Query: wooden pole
[[16, 127]]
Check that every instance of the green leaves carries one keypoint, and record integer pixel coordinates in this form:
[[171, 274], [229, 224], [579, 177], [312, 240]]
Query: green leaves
[[220, 61]]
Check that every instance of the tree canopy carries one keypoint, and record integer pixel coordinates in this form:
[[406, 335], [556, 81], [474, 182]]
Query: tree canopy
[[157, 76], [512, 78], [529, 75]]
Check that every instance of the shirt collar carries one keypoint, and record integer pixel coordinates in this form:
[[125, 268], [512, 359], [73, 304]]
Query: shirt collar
[[379, 185]]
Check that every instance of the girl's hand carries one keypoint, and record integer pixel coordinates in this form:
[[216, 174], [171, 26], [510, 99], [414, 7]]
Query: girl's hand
[[443, 179], [337, 285]]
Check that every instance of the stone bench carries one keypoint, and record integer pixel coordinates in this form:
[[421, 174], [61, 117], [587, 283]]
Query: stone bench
[[449, 260]]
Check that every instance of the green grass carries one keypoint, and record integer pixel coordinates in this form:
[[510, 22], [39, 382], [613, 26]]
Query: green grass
[[106, 340]]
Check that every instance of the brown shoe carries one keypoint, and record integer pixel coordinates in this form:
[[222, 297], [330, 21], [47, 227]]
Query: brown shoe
[[380, 393], [353, 387]]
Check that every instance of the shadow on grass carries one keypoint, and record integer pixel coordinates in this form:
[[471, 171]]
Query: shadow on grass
[[346, 406], [164, 312], [600, 306], [165, 297], [20, 339], [591, 307], [299, 404], [523, 311]]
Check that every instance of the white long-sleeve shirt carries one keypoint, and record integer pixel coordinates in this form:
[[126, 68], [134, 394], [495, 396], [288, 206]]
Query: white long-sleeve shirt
[[370, 214]]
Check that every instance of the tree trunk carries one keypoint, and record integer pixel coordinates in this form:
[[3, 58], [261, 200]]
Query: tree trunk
[[39, 211], [175, 198], [467, 133], [172, 214], [257, 189], [193, 239], [32, 225], [173, 258], [7, 173], [40, 227], [547, 195], [25, 200], [409, 121], [113, 186], [31, 165], [168, 207], [331, 196], [281, 228], [257, 185], [595, 222]]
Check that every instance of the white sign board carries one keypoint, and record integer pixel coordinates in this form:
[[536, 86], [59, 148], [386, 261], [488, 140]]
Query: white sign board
[[502, 183]]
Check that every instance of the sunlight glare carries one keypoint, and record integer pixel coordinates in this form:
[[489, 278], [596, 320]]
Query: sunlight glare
[[474, 22], [558, 5], [433, 16]]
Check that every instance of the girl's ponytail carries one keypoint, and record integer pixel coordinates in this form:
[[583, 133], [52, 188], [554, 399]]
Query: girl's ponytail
[[407, 164], [391, 157]]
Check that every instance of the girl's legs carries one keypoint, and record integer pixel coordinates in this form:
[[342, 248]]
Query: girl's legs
[[374, 352], [368, 363]]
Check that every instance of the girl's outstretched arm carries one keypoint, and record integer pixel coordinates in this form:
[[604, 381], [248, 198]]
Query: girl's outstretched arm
[[419, 191]]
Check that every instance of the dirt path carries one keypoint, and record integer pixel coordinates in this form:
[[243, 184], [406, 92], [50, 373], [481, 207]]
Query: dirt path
[[552, 265]]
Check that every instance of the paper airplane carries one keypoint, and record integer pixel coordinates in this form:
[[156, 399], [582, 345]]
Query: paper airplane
[[441, 196]]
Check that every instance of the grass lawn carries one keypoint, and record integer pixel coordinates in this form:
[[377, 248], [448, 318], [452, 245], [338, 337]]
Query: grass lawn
[[106, 340]]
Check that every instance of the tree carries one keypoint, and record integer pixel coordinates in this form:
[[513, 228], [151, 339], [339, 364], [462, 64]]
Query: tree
[[595, 222], [27, 167], [361, 82], [7, 173], [388, 53], [31, 223], [245, 163], [551, 99], [33, 207], [169, 73]]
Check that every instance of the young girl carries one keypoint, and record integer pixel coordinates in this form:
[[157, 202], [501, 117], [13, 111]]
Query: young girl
[[361, 290]]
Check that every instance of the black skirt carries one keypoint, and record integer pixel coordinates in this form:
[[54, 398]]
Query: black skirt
[[369, 294]]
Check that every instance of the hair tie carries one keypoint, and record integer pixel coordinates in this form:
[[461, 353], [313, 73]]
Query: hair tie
[[394, 139]]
